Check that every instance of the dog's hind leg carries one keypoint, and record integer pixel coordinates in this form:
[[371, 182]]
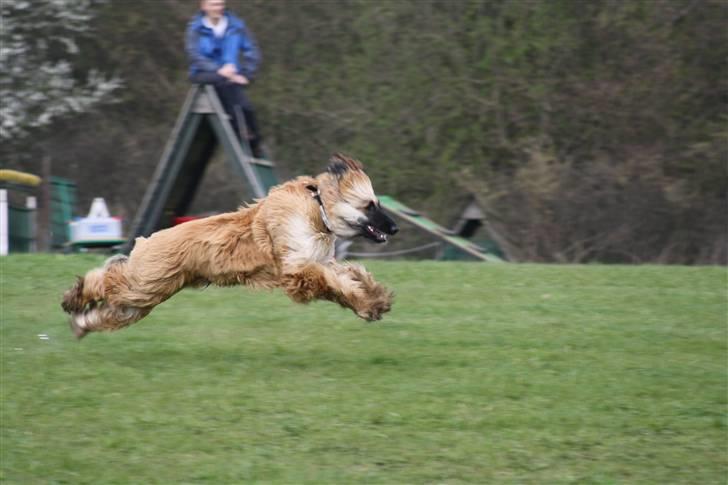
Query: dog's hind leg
[[90, 288], [85, 291], [348, 285], [104, 318], [87, 303]]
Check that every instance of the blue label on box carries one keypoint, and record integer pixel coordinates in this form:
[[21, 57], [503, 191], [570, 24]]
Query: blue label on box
[[97, 228]]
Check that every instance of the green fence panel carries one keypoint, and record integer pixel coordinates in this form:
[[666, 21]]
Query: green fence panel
[[63, 200], [21, 229]]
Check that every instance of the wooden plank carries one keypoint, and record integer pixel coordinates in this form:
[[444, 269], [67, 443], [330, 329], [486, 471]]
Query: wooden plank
[[142, 222], [398, 209], [162, 186], [185, 157]]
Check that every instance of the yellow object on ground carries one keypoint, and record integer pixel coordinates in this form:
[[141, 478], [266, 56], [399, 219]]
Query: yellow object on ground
[[19, 177]]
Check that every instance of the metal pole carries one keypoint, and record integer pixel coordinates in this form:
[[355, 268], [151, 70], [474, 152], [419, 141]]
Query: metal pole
[[44, 221], [32, 204], [4, 222]]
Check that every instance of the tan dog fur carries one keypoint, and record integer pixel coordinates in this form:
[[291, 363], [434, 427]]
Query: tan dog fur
[[280, 241]]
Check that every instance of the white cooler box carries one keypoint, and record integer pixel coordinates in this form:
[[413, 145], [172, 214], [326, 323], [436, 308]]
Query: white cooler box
[[95, 229]]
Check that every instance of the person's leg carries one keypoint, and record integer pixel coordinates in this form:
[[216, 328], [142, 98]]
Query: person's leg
[[226, 91], [242, 106], [231, 96], [254, 137]]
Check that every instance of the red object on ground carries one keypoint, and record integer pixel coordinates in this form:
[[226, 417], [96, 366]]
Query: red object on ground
[[182, 219]]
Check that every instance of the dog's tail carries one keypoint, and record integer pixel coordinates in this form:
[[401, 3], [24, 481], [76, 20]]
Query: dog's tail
[[89, 288]]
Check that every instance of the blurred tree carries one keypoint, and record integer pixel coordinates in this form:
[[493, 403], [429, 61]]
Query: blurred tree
[[591, 131], [38, 84]]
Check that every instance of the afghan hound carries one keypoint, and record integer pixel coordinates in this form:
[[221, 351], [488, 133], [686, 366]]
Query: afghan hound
[[285, 240]]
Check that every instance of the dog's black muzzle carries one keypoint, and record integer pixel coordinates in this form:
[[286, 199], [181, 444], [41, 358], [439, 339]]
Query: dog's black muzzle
[[378, 224]]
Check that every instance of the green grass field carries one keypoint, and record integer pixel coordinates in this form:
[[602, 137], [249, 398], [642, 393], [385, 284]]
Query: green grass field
[[480, 374]]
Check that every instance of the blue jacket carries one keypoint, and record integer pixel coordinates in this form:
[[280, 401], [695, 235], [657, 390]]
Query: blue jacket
[[208, 53]]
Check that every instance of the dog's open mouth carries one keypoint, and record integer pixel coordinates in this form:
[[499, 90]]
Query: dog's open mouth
[[371, 232]]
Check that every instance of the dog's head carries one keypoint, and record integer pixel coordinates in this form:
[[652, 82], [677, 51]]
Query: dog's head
[[352, 206]]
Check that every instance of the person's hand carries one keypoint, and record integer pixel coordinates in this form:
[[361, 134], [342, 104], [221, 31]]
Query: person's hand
[[239, 79], [228, 71]]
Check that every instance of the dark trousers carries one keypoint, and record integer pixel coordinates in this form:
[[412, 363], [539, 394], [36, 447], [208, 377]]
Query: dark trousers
[[233, 99]]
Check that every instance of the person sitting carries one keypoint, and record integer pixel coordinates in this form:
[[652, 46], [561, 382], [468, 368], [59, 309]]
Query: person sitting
[[213, 41]]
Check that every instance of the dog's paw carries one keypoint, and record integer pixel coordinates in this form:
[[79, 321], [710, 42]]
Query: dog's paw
[[374, 313], [378, 302], [374, 299]]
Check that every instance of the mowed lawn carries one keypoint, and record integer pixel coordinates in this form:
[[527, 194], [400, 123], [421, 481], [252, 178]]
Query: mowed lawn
[[482, 373]]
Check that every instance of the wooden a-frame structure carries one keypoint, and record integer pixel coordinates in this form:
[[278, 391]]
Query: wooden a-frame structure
[[201, 126]]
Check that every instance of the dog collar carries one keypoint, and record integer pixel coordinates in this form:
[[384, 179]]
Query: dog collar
[[316, 194]]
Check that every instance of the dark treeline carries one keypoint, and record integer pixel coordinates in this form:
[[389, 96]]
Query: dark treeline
[[588, 130]]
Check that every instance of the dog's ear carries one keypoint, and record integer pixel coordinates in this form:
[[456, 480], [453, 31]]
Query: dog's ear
[[339, 164]]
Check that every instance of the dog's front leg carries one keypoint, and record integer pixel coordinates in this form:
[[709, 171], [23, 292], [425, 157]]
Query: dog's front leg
[[350, 286]]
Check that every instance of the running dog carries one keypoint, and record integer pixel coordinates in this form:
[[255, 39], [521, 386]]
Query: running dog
[[285, 240]]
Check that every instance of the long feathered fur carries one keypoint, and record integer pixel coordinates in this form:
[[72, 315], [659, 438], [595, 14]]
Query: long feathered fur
[[280, 241]]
